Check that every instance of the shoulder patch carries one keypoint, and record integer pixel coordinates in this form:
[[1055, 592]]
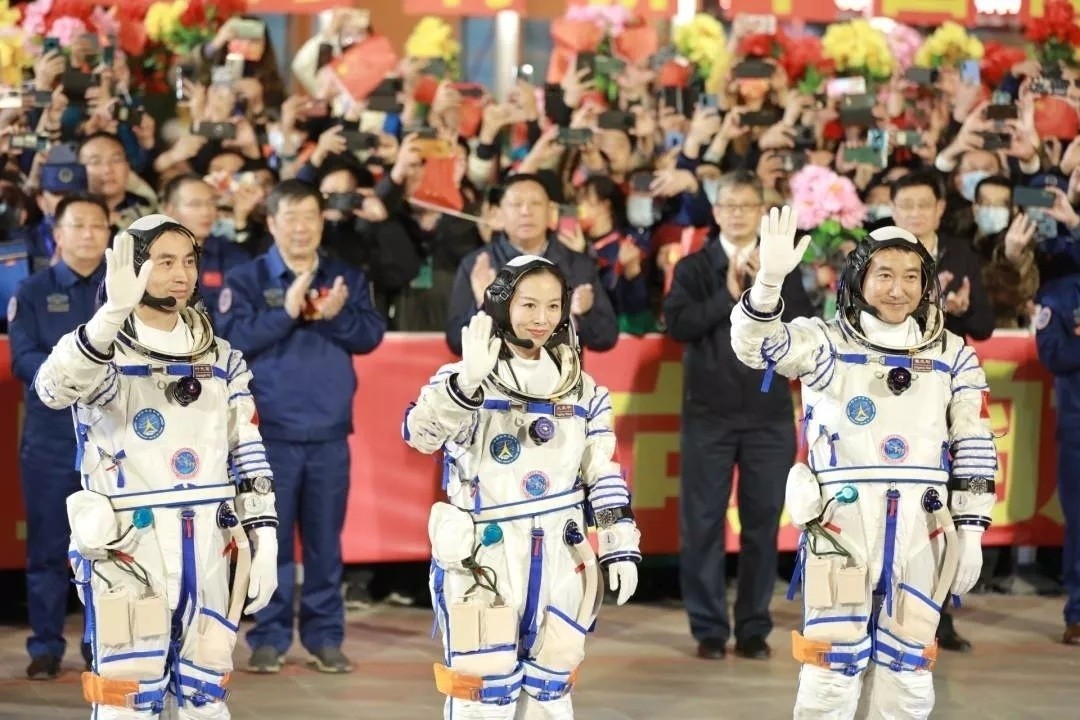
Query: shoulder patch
[[1042, 317], [224, 300], [12, 307]]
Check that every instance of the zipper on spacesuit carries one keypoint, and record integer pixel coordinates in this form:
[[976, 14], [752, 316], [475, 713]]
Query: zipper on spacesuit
[[892, 502]]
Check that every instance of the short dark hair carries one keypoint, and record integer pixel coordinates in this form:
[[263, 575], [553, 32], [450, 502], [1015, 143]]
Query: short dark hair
[[994, 181], [78, 198], [919, 178], [172, 188], [739, 178], [291, 191], [524, 178], [99, 135]]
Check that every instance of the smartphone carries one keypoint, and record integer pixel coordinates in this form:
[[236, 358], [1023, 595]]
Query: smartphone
[[108, 55], [75, 84], [126, 114], [28, 141], [865, 155], [710, 101], [421, 131], [1032, 197], [234, 64], [43, 98], [862, 117], [907, 138], [11, 99], [673, 140], [586, 61], [326, 55], [616, 120], [217, 131], [878, 140], [571, 137], [838, 87], [921, 76], [359, 141], [678, 99], [317, 109], [640, 182], [524, 73], [792, 161], [1049, 86], [759, 118], [971, 72], [750, 69], [245, 29], [1002, 112], [568, 220], [344, 202], [805, 137], [385, 104], [662, 57], [51, 44], [433, 148], [606, 65], [995, 141]]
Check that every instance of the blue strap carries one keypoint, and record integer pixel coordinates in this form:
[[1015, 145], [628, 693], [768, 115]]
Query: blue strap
[[81, 438], [176, 370], [438, 576], [796, 575], [831, 439], [766, 380], [204, 691], [902, 361], [527, 629], [892, 500], [120, 481], [535, 408], [187, 596]]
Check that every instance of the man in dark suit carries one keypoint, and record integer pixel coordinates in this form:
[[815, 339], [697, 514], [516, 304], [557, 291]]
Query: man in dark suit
[[728, 421]]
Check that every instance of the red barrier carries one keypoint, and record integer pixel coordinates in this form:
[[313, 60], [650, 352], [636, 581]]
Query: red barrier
[[393, 486]]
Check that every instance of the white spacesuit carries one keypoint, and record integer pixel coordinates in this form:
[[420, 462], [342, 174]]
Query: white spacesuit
[[527, 450], [899, 486], [166, 428]]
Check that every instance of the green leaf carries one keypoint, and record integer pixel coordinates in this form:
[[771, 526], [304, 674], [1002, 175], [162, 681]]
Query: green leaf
[[830, 226]]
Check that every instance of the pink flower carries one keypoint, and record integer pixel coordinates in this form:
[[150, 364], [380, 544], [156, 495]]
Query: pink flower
[[810, 213], [66, 29], [33, 23], [105, 22], [820, 194], [904, 42]]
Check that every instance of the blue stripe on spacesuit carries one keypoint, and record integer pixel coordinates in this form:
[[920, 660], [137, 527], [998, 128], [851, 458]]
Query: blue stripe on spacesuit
[[890, 361], [188, 598], [536, 408], [405, 434], [236, 395], [438, 577], [599, 431], [796, 574], [892, 499], [967, 363], [828, 365], [235, 359], [777, 351], [836, 618], [181, 370], [918, 594], [599, 404], [528, 627], [105, 387]]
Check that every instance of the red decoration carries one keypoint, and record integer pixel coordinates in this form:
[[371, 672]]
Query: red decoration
[[997, 60], [758, 45]]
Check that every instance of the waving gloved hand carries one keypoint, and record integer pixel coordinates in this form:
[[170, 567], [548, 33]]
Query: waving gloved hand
[[779, 254], [124, 290], [623, 577], [971, 560], [479, 351], [264, 579]]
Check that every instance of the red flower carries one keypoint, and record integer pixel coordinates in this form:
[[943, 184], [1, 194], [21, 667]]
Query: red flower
[[1059, 13], [194, 15], [1073, 35], [225, 9], [133, 10], [758, 45], [1037, 31], [798, 55], [997, 60]]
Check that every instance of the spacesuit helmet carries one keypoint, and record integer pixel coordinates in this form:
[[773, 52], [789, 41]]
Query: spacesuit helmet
[[499, 294], [144, 232], [850, 301]]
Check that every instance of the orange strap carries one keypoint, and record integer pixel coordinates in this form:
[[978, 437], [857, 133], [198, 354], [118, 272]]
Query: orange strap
[[811, 652], [457, 685], [108, 691], [931, 654]]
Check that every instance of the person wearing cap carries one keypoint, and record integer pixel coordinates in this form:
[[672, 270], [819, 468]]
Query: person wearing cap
[[47, 306], [299, 316], [892, 512], [61, 174], [528, 439], [175, 483]]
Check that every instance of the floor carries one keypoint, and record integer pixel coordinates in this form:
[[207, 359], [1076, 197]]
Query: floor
[[640, 667]]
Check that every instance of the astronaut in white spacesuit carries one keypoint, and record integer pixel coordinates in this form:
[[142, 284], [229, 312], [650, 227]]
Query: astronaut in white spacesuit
[[900, 482], [175, 483], [527, 441]]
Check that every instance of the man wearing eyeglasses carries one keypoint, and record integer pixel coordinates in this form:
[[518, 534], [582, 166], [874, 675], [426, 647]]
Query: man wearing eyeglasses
[[728, 421], [47, 306]]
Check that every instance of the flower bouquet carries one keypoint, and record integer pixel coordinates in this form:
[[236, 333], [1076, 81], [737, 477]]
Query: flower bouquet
[[858, 48], [829, 208], [904, 42], [1055, 35], [433, 39], [948, 46], [184, 25], [803, 60], [702, 42], [997, 61], [13, 54]]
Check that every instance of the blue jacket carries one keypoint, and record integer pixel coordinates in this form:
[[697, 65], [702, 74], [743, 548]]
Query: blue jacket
[[219, 255], [1059, 345], [47, 306], [303, 377]]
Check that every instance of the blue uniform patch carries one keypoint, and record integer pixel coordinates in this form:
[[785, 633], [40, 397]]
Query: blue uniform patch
[[505, 449], [535, 484], [894, 449], [148, 424], [185, 463], [861, 410]]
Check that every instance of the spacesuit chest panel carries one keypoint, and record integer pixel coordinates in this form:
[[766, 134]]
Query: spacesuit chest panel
[[165, 445], [862, 423]]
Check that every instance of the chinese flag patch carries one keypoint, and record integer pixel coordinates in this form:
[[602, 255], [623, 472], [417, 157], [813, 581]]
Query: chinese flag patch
[[255, 416]]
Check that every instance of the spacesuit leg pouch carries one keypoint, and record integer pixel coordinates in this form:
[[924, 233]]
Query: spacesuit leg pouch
[[802, 495], [915, 618], [215, 642], [93, 523], [482, 647], [451, 532]]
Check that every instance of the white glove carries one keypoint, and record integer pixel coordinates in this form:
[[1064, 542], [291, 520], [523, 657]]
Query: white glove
[[124, 290], [971, 560], [622, 576], [479, 351], [778, 256], [264, 578]]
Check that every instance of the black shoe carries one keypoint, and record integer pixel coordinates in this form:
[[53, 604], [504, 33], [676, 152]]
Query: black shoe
[[43, 667], [712, 649], [952, 641], [330, 660], [265, 660], [753, 648]]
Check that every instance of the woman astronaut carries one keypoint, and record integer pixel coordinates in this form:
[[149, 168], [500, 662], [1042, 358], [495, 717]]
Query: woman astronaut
[[527, 441]]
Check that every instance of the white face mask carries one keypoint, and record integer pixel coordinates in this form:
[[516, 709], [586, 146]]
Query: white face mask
[[991, 220], [711, 189], [878, 212], [224, 227], [969, 181], [639, 211]]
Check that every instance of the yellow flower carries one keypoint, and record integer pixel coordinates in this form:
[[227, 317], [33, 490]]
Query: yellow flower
[[9, 18], [432, 38], [13, 58], [702, 41], [857, 46], [949, 45]]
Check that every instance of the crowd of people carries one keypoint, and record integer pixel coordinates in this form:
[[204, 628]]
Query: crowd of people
[[322, 220]]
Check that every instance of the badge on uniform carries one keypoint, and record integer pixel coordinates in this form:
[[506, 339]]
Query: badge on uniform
[[922, 364], [148, 424], [224, 301], [894, 449], [505, 449], [185, 463], [535, 484], [58, 303], [1042, 317], [861, 410], [274, 297], [564, 411], [202, 371]]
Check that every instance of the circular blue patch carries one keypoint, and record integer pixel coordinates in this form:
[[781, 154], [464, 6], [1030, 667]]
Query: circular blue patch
[[894, 448], [505, 449], [861, 410], [185, 463], [148, 424], [535, 484]]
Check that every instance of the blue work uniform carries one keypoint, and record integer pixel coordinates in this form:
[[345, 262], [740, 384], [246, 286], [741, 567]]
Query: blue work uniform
[[1059, 351], [303, 382], [41, 246], [48, 305], [218, 256]]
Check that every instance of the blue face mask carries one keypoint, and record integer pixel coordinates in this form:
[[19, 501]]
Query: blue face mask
[[224, 228], [969, 181], [991, 220]]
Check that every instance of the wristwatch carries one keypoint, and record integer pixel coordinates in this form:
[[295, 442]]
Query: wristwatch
[[262, 485], [609, 516], [975, 485]]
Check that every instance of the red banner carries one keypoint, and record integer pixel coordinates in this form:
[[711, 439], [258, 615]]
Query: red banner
[[291, 7], [464, 8], [393, 486]]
